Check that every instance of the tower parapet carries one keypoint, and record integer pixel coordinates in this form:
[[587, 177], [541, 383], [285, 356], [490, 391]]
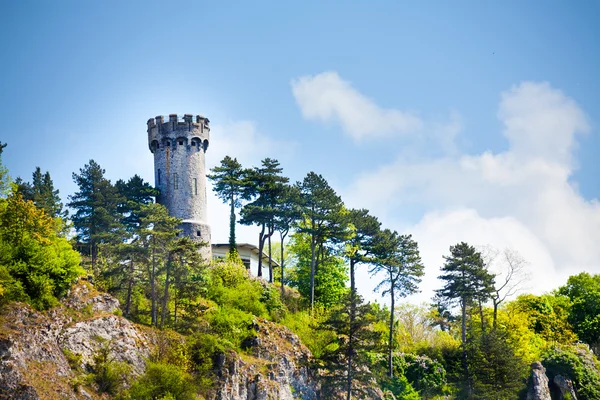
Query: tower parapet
[[179, 145]]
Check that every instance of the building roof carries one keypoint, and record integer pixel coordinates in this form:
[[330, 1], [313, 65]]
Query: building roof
[[248, 246]]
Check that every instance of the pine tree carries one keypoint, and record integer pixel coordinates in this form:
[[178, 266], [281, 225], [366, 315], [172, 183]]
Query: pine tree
[[96, 217], [397, 257], [5, 181], [41, 191], [231, 186], [324, 220], [466, 280], [346, 359], [287, 213], [267, 188]]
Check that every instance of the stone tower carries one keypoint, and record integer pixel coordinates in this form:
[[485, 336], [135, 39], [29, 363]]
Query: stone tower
[[179, 147]]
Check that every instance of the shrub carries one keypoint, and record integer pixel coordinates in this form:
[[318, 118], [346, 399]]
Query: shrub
[[107, 374], [578, 365], [231, 324], [163, 381]]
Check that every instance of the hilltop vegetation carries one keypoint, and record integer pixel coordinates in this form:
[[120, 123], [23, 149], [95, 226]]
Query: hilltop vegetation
[[472, 342]]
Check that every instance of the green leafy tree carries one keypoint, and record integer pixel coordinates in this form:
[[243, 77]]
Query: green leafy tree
[[133, 194], [231, 185], [267, 188], [324, 220], [331, 277], [466, 281], [397, 258], [96, 218], [584, 315], [36, 264]]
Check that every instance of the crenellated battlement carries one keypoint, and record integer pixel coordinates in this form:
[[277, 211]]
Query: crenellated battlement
[[189, 130]]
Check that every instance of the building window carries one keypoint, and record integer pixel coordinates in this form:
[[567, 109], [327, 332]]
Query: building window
[[158, 177], [175, 181], [246, 262], [195, 186], [181, 142], [198, 233]]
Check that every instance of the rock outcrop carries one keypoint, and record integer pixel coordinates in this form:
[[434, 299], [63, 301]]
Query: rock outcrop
[[538, 384], [566, 388], [34, 346], [43, 353], [275, 369]]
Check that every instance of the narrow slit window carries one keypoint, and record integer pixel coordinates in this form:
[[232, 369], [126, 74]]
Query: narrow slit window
[[181, 142], [198, 233], [195, 186], [175, 181], [158, 177]]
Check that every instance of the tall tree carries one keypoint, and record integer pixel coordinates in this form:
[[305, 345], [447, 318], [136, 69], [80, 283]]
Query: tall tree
[[287, 213], [466, 280], [267, 188], [96, 217], [397, 257], [41, 191], [324, 219], [133, 195], [158, 232], [231, 186], [353, 376]]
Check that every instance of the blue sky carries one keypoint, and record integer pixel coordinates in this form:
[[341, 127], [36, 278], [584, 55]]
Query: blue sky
[[473, 121]]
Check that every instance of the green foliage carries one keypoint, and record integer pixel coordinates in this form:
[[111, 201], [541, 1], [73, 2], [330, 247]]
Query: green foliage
[[496, 372], [398, 388], [5, 181], [548, 316], [163, 381], [427, 376], [330, 277], [230, 183], [204, 350], [577, 364], [36, 264], [306, 326], [231, 324], [584, 315], [41, 191], [109, 375]]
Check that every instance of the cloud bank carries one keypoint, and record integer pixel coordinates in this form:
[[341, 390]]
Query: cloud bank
[[520, 198], [327, 97]]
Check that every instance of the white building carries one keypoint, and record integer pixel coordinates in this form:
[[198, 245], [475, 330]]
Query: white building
[[248, 253]]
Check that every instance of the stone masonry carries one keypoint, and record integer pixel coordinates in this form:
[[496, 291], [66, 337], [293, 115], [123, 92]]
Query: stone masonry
[[179, 146]]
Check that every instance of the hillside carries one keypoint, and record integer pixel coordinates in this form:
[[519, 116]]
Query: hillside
[[56, 354]]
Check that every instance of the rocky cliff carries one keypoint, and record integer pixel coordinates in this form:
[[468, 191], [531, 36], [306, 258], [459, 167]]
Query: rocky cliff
[[40, 353]]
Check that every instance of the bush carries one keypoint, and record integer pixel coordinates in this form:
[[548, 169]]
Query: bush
[[163, 381], [305, 326], [576, 364], [107, 374], [231, 324]]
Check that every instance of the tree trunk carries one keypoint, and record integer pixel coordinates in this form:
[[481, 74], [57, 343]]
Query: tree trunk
[[282, 236], [232, 246], [481, 316], [312, 273], [464, 344], [153, 283], [391, 338], [261, 241], [165, 305], [270, 258], [495, 314], [351, 331], [129, 289]]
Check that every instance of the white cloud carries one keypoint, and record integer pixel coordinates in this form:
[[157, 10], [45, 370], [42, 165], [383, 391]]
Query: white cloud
[[327, 97], [520, 198]]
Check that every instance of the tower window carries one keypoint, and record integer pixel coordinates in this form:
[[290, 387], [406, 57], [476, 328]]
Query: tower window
[[181, 142], [175, 181], [195, 186], [198, 233], [158, 177]]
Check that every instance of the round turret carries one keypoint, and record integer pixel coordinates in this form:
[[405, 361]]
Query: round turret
[[179, 146]]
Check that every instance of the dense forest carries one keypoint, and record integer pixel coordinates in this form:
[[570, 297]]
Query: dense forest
[[475, 340]]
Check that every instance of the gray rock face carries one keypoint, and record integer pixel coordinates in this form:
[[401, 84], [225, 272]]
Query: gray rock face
[[33, 364], [279, 373], [566, 387], [538, 388]]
